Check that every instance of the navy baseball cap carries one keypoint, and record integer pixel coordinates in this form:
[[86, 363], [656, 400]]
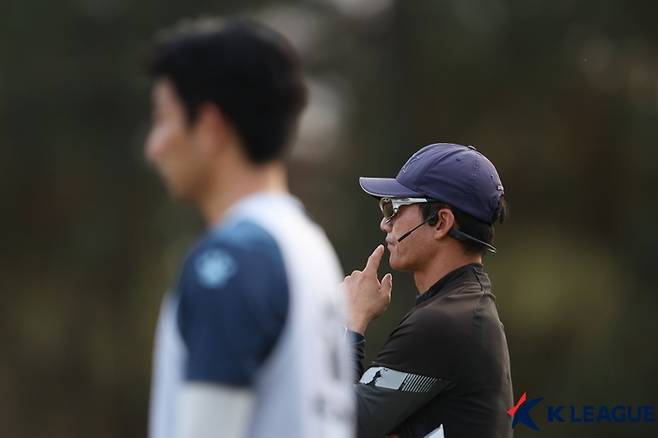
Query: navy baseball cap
[[457, 175]]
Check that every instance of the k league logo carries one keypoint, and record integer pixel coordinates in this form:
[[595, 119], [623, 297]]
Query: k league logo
[[584, 414], [520, 412]]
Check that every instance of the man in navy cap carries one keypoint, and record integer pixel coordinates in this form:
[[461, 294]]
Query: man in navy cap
[[445, 369]]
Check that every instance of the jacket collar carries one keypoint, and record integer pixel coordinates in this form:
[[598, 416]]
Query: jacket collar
[[472, 271]]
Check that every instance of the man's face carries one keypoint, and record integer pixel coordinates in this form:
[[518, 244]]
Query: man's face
[[414, 250], [172, 145]]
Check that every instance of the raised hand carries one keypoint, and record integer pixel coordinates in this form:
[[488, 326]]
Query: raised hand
[[367, 297]]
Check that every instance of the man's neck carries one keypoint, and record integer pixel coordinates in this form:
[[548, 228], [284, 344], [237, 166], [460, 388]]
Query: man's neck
[[234, 183], [439, 267]]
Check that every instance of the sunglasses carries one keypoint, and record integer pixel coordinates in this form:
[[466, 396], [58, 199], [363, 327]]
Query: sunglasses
[[391, 206]]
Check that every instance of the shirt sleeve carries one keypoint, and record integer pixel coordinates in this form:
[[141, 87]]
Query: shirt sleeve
[[387, 397], [409, 371], [358, 342], [232, 309]]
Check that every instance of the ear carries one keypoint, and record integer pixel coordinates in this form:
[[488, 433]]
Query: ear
[[211, 128], [446, 220]]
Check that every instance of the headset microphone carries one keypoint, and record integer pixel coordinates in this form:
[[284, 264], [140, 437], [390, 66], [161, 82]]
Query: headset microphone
[[453, 232], [405, 235]]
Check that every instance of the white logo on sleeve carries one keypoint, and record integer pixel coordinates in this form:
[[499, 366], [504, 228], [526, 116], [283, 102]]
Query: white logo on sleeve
[[215, 267], [436, 433]]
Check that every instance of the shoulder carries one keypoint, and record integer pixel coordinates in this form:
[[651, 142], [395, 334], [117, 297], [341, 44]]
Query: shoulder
[[233, 277], [239, 255], [431, 339], [233, 303]]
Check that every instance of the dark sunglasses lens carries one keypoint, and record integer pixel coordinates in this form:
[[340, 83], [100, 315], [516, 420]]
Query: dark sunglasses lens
[[387, 208]]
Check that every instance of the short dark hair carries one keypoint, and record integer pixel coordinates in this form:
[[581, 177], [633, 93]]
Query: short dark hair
[[468, 224], [249, 71]]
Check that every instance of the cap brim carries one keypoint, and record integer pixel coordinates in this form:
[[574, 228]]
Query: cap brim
[[387, 188]]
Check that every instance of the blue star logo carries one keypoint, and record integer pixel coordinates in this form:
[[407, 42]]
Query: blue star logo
[[520, 412], [215, 267]]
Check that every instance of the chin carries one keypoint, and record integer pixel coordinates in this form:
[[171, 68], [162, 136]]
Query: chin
[[175, 191], [180, 195], [397, 264]]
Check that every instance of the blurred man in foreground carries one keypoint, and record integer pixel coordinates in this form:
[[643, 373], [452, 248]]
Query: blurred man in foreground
[[250, 340], [444, 370]]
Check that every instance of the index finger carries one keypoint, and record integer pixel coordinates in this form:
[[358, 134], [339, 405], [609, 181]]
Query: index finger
[[374, 260]]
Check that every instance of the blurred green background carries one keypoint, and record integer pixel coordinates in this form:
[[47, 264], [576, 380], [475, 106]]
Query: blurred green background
[[561, 96]]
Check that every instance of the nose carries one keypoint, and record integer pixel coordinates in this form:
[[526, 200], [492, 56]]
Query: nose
[[386, 225], [151, 148]]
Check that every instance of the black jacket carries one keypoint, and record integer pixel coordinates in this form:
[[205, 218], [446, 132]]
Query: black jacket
[[446, 363]]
